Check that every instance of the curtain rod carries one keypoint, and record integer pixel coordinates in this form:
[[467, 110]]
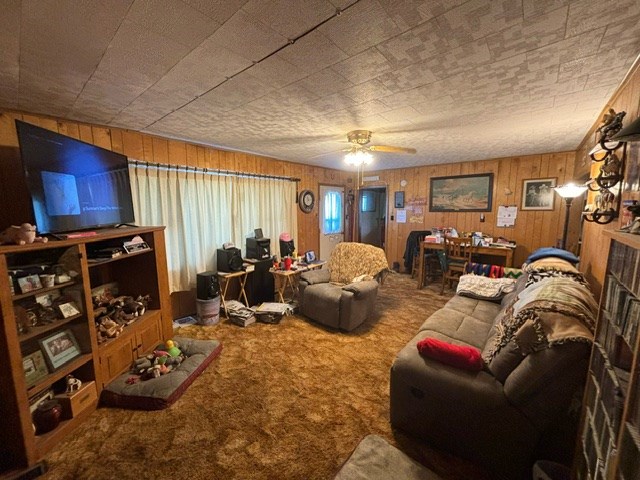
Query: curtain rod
[[211, 171]]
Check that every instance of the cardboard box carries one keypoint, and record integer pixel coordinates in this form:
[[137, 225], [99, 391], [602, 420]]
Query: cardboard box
[[75, 403]]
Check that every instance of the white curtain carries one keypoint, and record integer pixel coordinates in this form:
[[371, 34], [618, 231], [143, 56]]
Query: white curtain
[[202, 210]]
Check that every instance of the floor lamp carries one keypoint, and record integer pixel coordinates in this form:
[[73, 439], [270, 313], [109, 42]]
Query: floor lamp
[[568, 192]]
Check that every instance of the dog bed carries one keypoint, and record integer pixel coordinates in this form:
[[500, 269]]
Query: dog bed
[[158, 393]]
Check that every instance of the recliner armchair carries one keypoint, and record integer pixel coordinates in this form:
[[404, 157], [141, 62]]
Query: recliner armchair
[[343, 294]]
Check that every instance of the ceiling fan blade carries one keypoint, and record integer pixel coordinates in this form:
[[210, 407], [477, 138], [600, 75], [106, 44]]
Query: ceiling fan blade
[[389, 149]]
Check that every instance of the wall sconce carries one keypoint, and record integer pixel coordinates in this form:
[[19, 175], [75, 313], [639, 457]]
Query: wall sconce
[[568, 191]]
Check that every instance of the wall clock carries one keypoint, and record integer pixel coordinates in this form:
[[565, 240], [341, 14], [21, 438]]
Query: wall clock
[[306, 201]]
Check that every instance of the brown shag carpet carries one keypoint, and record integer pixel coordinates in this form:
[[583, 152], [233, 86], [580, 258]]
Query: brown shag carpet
[[285, 401]]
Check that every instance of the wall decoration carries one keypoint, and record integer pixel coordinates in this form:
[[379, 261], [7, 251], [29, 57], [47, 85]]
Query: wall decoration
[[306, 201], [461, 193], [60, 348], [399, 200], [538, 194]]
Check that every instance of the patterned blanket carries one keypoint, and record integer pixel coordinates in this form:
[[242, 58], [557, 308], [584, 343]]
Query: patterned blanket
[[555, 307]]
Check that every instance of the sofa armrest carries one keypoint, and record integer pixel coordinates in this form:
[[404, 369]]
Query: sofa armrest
[[316, 276], [361, 288]]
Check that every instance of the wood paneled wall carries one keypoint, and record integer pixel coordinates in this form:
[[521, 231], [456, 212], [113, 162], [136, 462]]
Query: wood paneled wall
[[595, 244], [533, 229], [154, 149]]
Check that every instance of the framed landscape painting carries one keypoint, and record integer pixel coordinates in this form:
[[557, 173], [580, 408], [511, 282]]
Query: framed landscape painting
[[538, 194], [461, 193]]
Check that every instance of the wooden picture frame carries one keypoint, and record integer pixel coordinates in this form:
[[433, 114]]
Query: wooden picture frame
[[461, 193], [60, 348], [538, 194], [35, 368]]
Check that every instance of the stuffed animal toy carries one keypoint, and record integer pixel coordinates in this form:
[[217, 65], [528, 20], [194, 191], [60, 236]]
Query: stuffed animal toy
[[21, 235], [172, 349]]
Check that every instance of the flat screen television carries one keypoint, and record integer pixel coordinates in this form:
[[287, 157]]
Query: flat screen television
[[73, 185]]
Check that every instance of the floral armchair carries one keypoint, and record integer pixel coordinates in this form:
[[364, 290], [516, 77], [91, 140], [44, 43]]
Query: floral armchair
[[342, 295]]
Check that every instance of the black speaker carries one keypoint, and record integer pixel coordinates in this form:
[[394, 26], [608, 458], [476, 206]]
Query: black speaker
[[286, 248], [207, 286], [229, 260], [259, 248], [260, 285]]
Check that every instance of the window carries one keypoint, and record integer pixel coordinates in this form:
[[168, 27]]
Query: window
[[367, 201], [332, 213]]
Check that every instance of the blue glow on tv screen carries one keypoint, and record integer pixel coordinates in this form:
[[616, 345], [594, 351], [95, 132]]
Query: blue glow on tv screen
[[73, 185]]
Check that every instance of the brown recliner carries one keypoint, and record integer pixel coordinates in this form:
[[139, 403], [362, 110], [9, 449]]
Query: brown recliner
[[342, 295]]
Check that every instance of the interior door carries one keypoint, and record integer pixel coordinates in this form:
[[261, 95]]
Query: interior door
[[331, 218], [372, 206]]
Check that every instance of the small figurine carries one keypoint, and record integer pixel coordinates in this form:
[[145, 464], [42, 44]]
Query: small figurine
[[73, 384], [21, 235]]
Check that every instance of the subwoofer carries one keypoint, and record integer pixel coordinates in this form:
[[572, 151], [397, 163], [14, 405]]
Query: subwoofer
[[229, 260], [207, 286]]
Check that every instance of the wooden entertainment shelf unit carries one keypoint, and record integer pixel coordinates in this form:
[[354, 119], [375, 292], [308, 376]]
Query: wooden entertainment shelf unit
[[139, 273]]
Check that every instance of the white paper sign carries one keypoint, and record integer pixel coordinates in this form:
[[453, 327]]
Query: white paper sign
[[507, 215], [401, 216]]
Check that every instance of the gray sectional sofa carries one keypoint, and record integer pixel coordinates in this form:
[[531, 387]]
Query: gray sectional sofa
[[499, 416]]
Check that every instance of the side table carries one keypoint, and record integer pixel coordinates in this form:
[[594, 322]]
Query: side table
[[225, 278], [288, 279]]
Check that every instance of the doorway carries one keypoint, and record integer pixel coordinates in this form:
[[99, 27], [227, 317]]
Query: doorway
[[372, 215], [331, 218]]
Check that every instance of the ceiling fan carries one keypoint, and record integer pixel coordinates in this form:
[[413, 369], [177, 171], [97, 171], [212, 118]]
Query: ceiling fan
[[359, 153], [360, 138]]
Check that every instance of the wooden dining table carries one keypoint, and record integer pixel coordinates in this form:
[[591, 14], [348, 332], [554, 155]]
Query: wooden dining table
[[492, 251]]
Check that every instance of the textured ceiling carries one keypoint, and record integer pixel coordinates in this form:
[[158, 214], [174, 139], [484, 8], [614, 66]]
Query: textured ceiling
[[456, 80]]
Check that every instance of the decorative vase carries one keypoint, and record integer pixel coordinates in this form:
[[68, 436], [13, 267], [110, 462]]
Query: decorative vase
[[47, 416]]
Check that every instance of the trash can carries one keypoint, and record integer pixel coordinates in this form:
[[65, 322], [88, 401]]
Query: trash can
[[208, 311]]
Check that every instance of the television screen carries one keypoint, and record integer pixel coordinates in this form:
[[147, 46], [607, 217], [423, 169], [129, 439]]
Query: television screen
[[73, 185]]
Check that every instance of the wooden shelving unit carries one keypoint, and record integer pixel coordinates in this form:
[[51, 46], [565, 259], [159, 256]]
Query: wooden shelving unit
[[609, 442], [138, 273]]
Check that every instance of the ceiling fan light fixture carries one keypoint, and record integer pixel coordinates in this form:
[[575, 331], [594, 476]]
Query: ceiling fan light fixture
[[358, 157]]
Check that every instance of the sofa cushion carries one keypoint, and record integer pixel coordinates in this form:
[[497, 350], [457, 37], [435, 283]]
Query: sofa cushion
[[458, 328], [459, 356], [480, 309]]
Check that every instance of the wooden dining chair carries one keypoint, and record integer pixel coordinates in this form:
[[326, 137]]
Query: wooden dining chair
[[416, 257], [457, 252]]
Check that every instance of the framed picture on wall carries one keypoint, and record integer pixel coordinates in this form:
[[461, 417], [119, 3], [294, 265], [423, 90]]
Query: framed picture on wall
[[461, 193], [538, 194]]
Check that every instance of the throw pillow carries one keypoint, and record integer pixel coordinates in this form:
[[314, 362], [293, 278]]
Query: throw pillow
[[552, 252], [458, 356]]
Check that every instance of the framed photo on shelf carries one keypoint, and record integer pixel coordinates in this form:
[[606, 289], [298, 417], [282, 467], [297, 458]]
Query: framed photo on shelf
[[35, 368], [29, 283], [461, 193], [538, 194], [68, 309], [60, 348]]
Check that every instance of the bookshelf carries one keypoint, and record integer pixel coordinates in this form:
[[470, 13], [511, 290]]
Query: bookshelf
[[608, 444], [24, 379]]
